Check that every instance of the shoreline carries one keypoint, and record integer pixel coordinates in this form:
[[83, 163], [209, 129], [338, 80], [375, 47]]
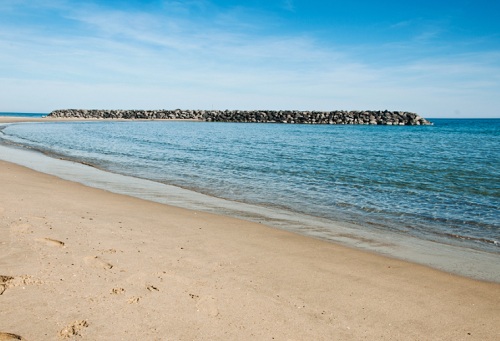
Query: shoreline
[[456, 259], [78, 255]]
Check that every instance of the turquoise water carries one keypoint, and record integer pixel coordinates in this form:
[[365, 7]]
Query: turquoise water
[[22, 114], [438, 182]]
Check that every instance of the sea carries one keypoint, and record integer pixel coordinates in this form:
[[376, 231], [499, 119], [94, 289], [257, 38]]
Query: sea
[[429, 194]]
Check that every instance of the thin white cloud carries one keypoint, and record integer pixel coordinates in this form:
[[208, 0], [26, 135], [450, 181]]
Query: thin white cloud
[[172, 58], [401, 24]]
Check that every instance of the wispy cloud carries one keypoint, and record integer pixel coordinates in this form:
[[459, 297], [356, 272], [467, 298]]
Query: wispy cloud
[[420, 30], [401, 24]]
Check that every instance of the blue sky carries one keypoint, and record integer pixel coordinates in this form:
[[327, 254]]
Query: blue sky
[[439, 59]]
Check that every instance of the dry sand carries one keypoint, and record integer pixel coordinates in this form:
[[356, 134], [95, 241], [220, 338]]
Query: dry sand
[[85, 264]]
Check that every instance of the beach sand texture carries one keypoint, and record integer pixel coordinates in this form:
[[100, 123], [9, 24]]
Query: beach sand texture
[[85, 264]]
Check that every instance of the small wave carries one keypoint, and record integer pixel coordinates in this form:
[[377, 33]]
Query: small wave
[[397, 180], [476, 239]]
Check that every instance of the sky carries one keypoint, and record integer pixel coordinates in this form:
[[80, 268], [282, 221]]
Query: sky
[[435, 58]]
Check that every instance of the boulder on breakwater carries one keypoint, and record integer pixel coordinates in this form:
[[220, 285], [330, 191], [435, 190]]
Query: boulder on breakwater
[[373, 117]]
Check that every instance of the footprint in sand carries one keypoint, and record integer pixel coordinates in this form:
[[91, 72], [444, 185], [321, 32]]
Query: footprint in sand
[[73, 329], [117, 291], [152, 288], [133, 300], [51, 242], [9, 282], [4, 282], [10, 337], [97, 262]]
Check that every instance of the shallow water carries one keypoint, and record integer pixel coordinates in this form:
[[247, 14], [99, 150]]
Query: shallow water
[[438, 182], [400, 191]]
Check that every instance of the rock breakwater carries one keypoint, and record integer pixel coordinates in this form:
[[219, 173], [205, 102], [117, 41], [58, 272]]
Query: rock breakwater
[[373, 117]]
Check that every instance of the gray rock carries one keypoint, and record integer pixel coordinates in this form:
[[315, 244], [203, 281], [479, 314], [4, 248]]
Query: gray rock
[[256, 116]]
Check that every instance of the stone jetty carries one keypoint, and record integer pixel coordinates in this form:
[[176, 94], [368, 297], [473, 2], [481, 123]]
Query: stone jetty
[[373, 117]]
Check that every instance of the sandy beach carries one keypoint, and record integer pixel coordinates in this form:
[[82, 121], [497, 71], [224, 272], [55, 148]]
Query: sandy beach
[[86, 264]]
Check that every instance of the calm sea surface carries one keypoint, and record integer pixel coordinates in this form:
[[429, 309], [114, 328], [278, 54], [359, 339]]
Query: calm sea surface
[[22, 114], [438, 182]]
